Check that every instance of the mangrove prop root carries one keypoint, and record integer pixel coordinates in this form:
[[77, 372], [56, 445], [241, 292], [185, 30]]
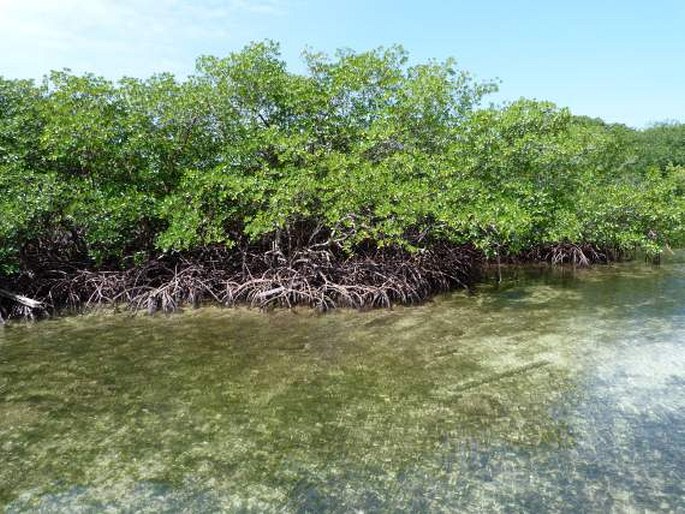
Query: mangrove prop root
[[319, 278], [568, 253]]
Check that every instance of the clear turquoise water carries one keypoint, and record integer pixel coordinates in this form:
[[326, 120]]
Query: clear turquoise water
[[557, 391]]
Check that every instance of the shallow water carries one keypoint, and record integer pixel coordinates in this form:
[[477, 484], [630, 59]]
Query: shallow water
[[556, 391]]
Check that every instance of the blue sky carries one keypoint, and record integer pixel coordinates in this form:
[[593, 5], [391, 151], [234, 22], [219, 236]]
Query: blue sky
[[618, 60]]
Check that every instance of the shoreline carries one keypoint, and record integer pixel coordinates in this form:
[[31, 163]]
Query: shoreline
[[320, 279], [316, 280]]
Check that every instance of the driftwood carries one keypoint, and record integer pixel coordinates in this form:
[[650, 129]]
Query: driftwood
[[23, 300]]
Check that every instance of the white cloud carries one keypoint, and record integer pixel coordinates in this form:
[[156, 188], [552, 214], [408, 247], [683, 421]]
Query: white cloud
[[126, 35]]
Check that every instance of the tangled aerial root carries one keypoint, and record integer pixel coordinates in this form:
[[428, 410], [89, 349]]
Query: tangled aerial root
[[261, 277], [569, 253], [317, 278]]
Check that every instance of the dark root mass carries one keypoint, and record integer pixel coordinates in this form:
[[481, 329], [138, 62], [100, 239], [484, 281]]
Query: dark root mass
[[319, 278]]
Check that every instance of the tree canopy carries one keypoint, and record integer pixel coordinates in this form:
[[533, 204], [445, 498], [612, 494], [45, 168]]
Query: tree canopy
[[364, 148]]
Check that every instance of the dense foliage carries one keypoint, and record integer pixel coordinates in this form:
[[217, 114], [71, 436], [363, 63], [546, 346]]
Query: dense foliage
[[362, 149]]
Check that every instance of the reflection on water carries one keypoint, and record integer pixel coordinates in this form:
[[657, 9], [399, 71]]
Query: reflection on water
[[556, 391]]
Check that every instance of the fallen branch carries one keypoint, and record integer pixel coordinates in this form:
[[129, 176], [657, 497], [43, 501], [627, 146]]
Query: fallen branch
[[28, 302], [496, 377]]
